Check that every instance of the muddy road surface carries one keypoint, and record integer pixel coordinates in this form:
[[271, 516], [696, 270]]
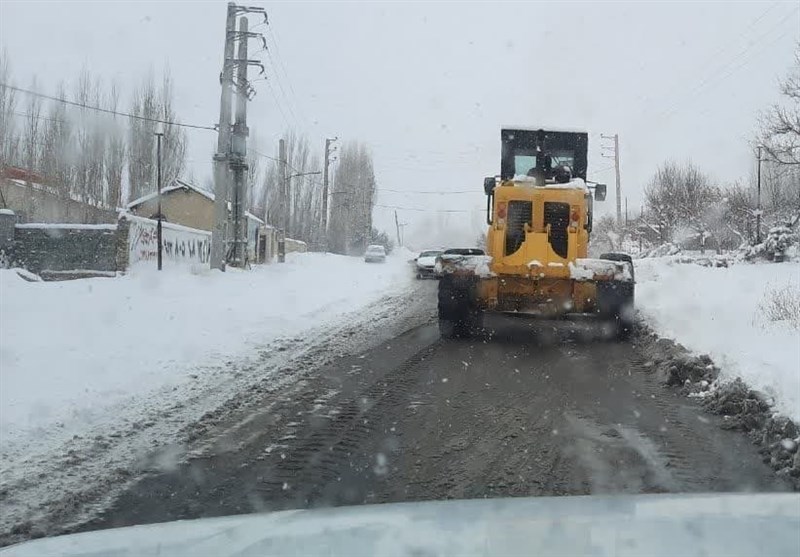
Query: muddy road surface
[[527, 409]]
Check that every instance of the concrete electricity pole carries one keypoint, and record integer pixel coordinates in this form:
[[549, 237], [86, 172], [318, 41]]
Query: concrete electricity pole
[[328, 142], [238, 161], [159, 233], [221, 169], [615, 137], [283, 205], [397, 226]]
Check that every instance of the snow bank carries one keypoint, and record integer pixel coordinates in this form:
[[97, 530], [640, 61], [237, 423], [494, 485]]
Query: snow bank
[[73, 353], [591, 269], [716, 311], [48, 226]]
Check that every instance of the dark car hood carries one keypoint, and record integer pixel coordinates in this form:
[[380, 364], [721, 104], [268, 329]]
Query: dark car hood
[[669, 525]]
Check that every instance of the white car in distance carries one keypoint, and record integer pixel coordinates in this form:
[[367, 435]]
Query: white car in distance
[[375, 254], [425, 263]]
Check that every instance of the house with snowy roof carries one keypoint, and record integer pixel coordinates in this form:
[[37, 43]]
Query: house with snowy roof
[[189, 205]]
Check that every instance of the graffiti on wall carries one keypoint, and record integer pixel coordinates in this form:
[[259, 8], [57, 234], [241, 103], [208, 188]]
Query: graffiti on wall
[[181, 244]]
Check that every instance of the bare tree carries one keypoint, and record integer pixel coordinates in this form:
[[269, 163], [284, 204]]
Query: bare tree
[[174, 146], [82, 117], [141, 139], [780, 126], [253, 177], [31, 139], [98, 134], [352, 200], [680, 195], [9, 139], [115, 153]]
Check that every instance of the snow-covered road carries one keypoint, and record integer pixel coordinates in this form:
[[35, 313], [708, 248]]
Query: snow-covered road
[[81, 355], [717, 311]]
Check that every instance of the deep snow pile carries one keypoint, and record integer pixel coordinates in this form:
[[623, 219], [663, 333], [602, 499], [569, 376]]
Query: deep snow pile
[[74, 355], [720, 312]]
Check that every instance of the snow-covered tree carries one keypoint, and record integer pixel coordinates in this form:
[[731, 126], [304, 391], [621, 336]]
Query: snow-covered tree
[[681, 196]]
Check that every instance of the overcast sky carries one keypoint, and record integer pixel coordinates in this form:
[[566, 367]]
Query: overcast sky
[[429, 85]]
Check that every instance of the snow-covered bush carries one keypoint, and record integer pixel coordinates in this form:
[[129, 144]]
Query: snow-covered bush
[[781, 305], [778, 242]]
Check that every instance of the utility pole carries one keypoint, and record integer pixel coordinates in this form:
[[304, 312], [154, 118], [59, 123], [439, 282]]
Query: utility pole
[[159, 237], [283, 201], [224, 158], [615, 137], [397, 226], [238, 160], [626, 211], [221, 169], [328, 142], [758, 203]]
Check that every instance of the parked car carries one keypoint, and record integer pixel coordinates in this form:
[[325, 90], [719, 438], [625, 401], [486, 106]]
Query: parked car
[[375, 254], [425, 263]]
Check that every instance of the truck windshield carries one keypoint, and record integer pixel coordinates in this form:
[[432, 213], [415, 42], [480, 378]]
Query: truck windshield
[[525, 162]]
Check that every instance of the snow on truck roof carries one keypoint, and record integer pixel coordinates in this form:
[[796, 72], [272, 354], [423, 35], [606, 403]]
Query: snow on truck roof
[[574, 184], [545, 128]]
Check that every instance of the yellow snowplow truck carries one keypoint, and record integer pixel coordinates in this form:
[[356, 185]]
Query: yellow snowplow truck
[[539, 212]]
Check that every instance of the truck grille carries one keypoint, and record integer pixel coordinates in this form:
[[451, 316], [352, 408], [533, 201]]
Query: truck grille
[[557, 216], [520, 213]]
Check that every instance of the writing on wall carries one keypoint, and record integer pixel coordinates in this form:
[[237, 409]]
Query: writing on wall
[[181, 244]]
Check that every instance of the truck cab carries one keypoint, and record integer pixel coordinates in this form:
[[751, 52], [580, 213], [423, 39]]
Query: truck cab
[[539, 209]]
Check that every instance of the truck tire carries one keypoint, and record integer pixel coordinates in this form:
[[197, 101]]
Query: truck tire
[[458, 315], [615, 300]]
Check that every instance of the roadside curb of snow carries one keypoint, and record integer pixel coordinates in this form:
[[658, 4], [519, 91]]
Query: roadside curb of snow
[[90, 470], [741, 408]]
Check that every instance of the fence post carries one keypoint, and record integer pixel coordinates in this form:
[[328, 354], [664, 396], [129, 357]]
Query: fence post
[[7, 221], [123, 244]]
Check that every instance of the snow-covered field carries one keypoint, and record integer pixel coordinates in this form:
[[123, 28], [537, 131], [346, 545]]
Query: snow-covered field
[[81, 355], [718, 311]]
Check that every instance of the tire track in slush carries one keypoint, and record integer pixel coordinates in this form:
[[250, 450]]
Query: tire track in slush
[[508, 415]]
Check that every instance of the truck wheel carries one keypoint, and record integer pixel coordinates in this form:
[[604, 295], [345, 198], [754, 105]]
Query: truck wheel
[[457, 316], [615, 299], [615, 305]]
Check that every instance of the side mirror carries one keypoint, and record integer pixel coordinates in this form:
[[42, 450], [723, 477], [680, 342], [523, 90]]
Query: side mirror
[[600, 192], [488, 185]]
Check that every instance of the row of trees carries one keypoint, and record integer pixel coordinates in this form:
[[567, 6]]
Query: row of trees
[[107, 160], [80, 153], [352, 193], [684, 204]]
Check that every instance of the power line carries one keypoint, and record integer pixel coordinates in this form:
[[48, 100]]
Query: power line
[[106, 110], [707, 62], [40, 117], [274, 38], [260, 154], [278, 80], [731, 66], [429, 192], [399, 208], [275, 98]]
